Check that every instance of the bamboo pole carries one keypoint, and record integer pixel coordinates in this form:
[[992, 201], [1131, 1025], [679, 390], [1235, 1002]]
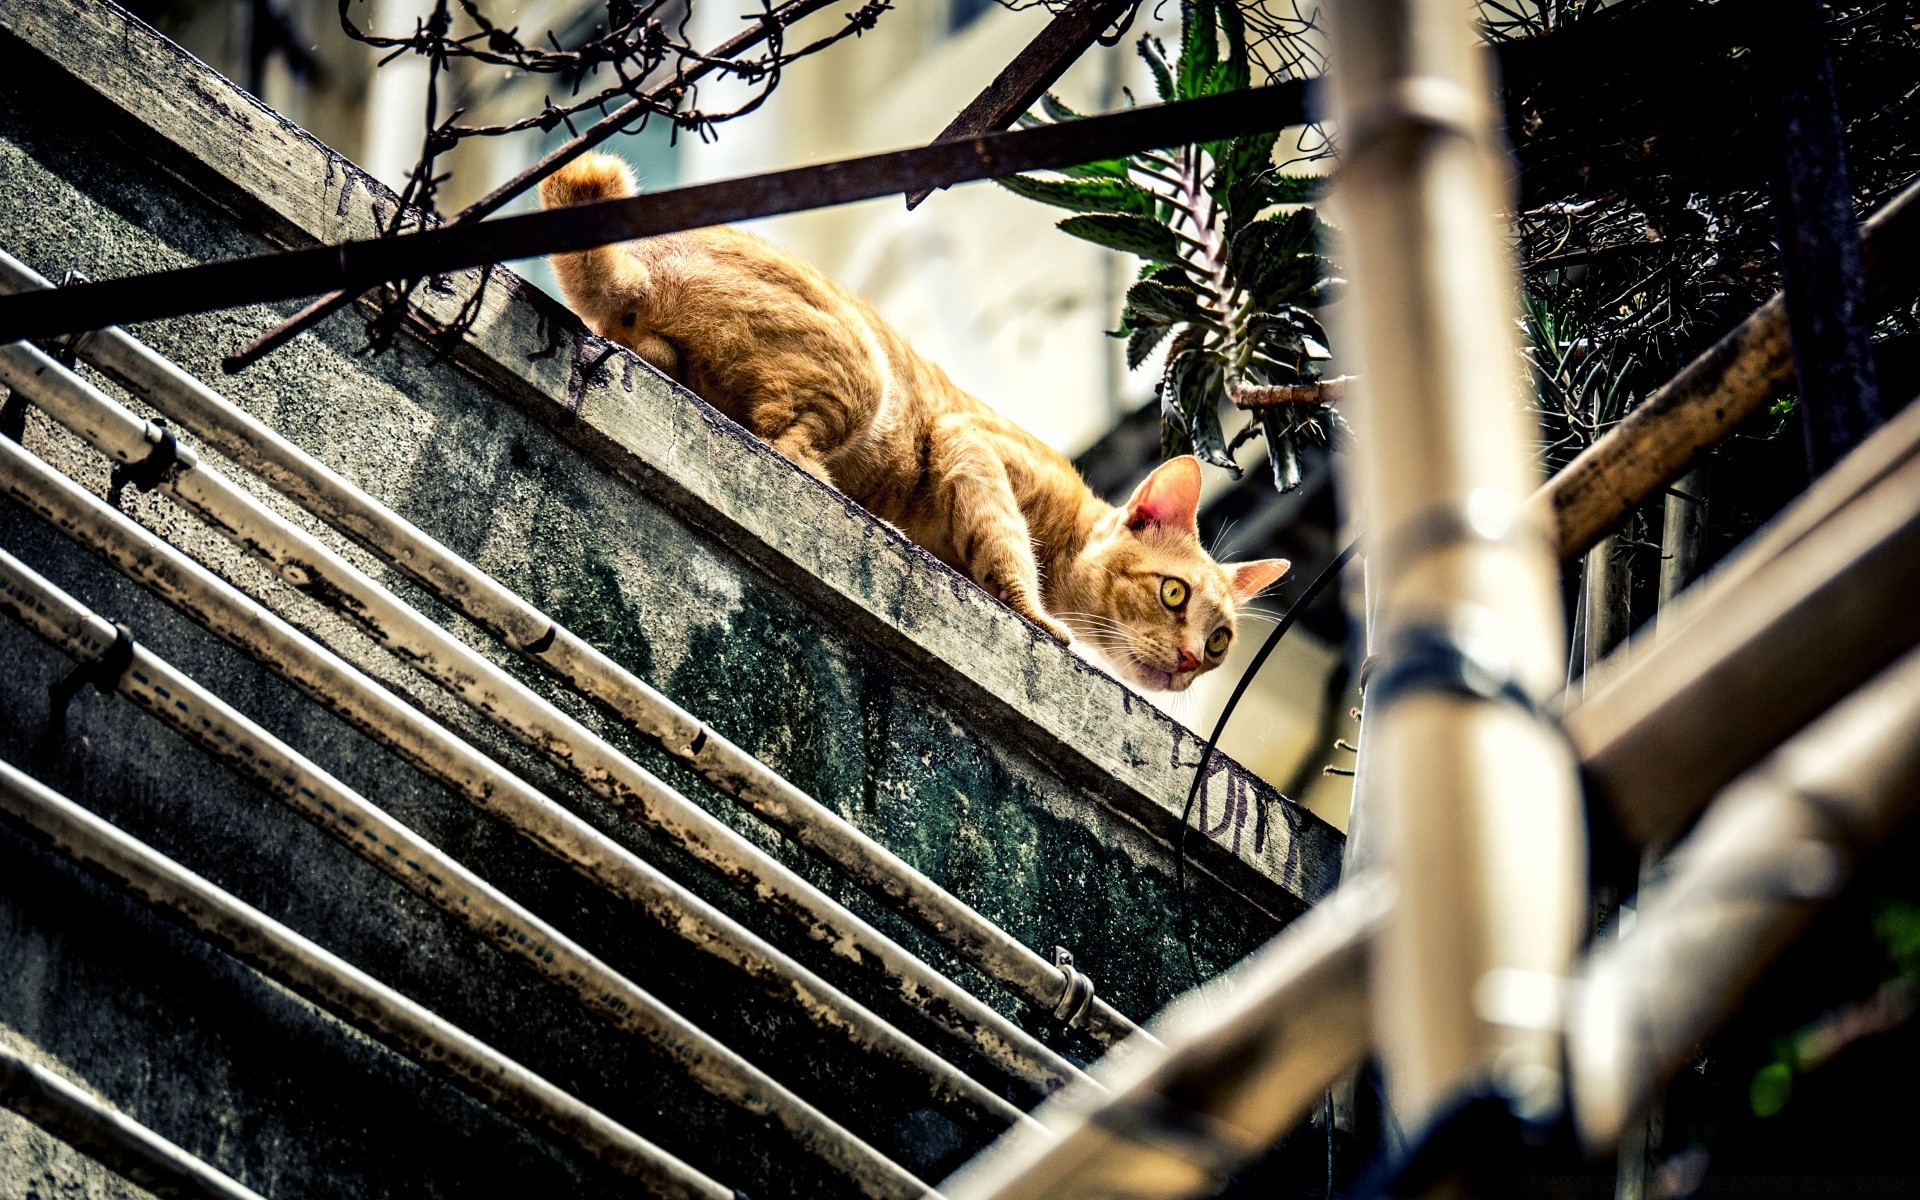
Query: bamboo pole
[[190, 710], [114, 1140], [341, 988], [506, 702], [385, 718], [1478, 794], [1774, 848], [216, 420], [1741, 667]]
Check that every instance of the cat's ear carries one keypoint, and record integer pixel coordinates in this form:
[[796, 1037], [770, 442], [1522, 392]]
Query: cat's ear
[[1169, 498], [1252, 578]]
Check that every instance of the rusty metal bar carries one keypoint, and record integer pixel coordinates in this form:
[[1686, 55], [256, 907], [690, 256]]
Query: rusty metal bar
[[193, 406], [327, 980], [1024, 80], [382, 716], [114, 1140], [359, 265], [511, 705], [1236, 1073], [184, 706], [1771, 851], [633, 110]]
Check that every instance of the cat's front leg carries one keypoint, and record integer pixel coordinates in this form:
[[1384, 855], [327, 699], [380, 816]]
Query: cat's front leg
[[988, 533]]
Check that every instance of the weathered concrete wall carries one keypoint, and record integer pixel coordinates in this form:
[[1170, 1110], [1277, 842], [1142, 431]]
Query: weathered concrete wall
[[1012, 773]]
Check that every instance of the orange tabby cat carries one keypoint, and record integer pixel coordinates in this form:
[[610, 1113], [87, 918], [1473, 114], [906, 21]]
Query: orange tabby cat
[[808, 366]]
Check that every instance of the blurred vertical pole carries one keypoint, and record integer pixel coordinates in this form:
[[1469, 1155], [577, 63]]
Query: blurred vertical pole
[[1609, 604], [1683, 530], [1820, 244], [394, 129], [1476, 795]]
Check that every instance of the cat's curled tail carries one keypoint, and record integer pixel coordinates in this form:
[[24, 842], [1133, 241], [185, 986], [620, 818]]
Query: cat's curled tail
[[609, 286]]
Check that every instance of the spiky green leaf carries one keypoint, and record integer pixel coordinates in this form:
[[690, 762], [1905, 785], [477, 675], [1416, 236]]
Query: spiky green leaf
[[1172, 303], [1057, 108], [1142, 340], [1106, 168], [1136, 235], [1199, 48], [1098, 195], [1155, 54]]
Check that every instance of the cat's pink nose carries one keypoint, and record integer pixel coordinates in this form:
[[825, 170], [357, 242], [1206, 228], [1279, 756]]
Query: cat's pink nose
[[1187, 661]]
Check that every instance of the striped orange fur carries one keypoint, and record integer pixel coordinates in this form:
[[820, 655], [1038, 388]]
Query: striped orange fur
[[811, 368]]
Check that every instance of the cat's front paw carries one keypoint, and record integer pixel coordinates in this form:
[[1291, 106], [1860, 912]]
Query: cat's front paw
[[1060, 633]]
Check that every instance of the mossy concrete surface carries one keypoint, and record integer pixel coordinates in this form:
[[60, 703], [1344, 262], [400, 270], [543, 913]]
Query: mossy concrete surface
[[1034, 787]]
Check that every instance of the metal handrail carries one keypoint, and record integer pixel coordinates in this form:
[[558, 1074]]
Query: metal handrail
[[417, 739], [113, 1139], [193, 406], [341, 988], [182, 704], [510, 704]]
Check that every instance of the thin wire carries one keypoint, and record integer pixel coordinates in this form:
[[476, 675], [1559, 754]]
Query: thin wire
[[1320, 581]]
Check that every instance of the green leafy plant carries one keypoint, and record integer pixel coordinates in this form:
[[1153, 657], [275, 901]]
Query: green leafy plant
[[1232, 273]]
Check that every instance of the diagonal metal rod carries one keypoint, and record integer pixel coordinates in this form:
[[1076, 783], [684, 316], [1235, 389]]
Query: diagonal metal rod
[[362, 264], [117, 1142], [332, 983], [413, 736], [1819, 246], [1032, 71], [637, 109], [183, 705]]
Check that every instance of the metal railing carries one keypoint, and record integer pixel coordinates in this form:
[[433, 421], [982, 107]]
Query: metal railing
[[329, 981]]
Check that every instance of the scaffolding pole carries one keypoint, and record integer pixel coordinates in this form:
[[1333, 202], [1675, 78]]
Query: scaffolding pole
[[1476, 790]]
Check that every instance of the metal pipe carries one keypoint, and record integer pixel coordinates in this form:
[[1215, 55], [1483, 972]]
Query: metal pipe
[[114, 1140], [209, 722], [312, 568], [1771, 851], [344, 990], [1478, 794], [1244, 1058], [362, 264], [382, 716], [210, 416]]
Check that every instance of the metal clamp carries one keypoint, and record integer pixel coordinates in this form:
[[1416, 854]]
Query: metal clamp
[[1076, 996], [152, 468], [103, 673]]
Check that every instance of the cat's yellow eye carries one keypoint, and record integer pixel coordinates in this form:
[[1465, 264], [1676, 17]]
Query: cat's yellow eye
[[1173, 593], [1217, 642]]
